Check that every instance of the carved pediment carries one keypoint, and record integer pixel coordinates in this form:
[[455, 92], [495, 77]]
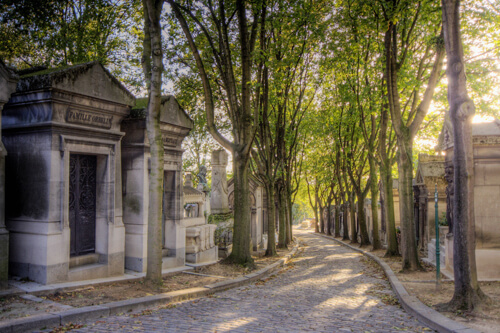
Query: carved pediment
[[90, 79], [8, 80], [172, 113], [445, 140]]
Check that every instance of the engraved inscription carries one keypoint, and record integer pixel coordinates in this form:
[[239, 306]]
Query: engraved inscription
[[89, 118], [169, 141]]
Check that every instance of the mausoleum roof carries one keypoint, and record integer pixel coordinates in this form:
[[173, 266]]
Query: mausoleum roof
[[430, 165], [8, 79], [91, 79], [188, 190], [171, 111], [490, 128]]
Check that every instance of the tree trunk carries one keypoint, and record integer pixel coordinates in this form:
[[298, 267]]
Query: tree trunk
[[374, 207], [321, 219], [153, 67], [467, 294], [241, 253], [282, 218], [363, 230], [386, 188], [408, 232], [316, 216], [271, 221], [392, 240], [345, 221], [337, 218], [289, 216], [329, 218], [352, 213]]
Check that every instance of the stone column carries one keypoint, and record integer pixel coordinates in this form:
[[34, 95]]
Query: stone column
[[8, 82], [219, 200]]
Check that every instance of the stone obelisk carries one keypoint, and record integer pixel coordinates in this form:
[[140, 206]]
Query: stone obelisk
[[219, 203]]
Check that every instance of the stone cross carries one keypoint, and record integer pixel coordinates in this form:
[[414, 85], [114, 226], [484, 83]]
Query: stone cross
[[219, 198]]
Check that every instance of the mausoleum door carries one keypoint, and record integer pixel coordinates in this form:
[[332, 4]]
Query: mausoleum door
[[168, 199], [82, 203]]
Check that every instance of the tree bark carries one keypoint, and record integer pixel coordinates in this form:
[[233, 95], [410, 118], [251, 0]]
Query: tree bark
[[153, 67], [386, 188], [241, 253], [363, 230], [392, 240], [289, 214], [329, 217], [374, 207], [337, 218], [408, 232], [352, 213], [282, 218], [467, 294], [345, 221], [271, 222]]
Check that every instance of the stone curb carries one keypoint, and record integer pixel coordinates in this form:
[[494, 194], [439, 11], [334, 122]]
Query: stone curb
[[43, 321], [412, 304]]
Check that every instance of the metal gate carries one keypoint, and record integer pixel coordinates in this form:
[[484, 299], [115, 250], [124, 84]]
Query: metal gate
[[82, 203]]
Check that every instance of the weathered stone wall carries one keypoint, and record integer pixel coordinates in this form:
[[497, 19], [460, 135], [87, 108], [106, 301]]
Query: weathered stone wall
[[52, 116], [8, 82]]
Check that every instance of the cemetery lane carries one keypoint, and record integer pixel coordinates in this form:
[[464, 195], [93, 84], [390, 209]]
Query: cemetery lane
[[326, 288]]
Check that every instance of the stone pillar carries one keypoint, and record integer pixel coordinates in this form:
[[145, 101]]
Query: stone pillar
[[219, 203], [189, 179], [8, 82]]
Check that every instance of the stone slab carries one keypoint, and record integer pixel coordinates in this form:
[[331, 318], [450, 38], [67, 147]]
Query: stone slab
[[135, 304], [83, 313], [223, 285], [28, 324]]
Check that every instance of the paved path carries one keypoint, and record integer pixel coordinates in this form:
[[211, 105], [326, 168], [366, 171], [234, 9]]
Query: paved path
[[327, 288]]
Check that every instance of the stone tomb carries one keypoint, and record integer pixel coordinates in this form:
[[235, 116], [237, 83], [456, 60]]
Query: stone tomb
[[64, 203], [200, 244], [430, 172], [486, 154], [219, 196], [175, 125], [258, 204], [8, 81]]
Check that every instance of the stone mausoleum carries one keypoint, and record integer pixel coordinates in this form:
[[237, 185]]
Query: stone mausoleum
[[8, 81], [64, 205], [430, 173], [258, 205], [175, 125], [200, 242], [486, 157]]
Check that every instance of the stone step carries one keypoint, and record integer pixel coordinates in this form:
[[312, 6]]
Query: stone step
[[87, 259], [88, 272]]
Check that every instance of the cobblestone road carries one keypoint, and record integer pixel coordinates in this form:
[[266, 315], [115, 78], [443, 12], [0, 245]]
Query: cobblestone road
[[327, 288]]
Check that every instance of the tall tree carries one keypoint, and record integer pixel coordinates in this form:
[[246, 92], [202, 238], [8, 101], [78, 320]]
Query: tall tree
[[467, 294], [404, 19], [227, 37], [65, 32], [153, 67]]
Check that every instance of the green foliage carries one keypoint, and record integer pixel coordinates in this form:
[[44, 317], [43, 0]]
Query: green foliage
[[65, 32], [218, 218], [442, 220]]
